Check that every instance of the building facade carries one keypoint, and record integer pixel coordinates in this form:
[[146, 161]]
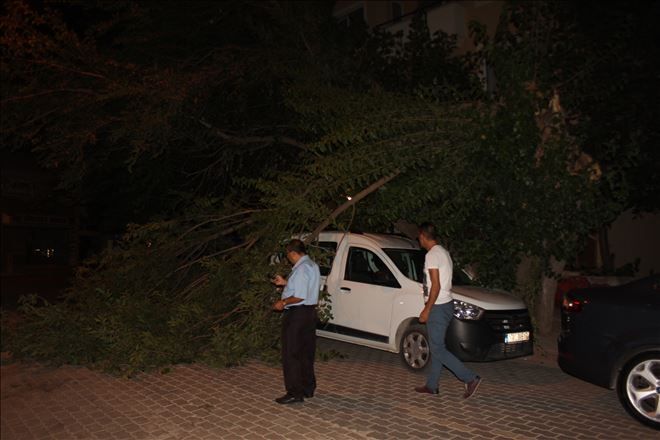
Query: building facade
[[451, 17]]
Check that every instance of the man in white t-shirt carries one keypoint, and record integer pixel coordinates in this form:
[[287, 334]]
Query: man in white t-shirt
[[438, 313]]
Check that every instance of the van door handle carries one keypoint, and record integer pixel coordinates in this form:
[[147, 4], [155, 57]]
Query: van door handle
[[345, 289]]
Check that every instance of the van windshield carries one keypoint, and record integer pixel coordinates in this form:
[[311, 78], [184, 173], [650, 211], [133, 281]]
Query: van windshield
[[411, 263]]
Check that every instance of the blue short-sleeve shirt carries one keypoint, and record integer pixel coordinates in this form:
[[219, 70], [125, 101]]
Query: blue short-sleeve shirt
[[304, 282]]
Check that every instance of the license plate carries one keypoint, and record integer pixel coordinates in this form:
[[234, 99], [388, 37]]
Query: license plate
[[512, 338]]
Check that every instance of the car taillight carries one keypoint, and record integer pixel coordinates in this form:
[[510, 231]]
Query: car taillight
[[571, 304]]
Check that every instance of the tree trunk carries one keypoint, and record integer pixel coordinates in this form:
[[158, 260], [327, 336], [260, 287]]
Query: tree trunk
[[545, 306], [604, 246]]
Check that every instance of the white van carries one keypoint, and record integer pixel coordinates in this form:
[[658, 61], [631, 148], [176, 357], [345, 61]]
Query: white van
[[374, 285]]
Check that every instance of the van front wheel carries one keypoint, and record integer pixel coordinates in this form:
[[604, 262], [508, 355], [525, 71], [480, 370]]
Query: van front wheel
[[415, 351]]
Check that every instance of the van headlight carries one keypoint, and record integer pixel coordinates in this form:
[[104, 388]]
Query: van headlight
[[467, 311]]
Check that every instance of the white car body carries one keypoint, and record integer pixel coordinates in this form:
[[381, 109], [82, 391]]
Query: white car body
[[376, 315]]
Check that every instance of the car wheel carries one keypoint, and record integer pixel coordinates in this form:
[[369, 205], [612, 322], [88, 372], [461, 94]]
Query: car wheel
[[638, 388], [415, 350]]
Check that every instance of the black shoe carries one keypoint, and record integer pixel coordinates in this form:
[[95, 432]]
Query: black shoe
[[308, 395], [289, 398]]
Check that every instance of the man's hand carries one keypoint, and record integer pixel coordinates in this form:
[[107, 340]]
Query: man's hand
[[279, 281], [279, 305], [424, 316]]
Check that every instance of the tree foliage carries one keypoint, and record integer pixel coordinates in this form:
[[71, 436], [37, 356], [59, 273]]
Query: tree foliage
[[248, 122]]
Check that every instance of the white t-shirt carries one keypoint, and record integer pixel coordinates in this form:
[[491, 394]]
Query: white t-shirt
[[438, 258]]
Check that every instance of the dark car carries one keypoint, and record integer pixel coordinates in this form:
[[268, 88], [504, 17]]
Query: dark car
[[610, 336]]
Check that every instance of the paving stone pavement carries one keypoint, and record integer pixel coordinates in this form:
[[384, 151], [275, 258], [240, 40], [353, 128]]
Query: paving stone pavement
[[367, 395]]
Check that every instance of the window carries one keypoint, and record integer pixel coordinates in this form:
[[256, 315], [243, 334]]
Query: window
[[324, 254], [354, 18], [364, 266], [409, 261], [397, 10]]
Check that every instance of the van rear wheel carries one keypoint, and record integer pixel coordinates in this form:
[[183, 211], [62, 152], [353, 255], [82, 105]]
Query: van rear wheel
[[415, 350]]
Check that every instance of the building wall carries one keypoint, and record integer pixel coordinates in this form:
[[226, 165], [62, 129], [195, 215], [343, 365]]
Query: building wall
[[452, 17], [376, 11], [632, 237], [484, 12]]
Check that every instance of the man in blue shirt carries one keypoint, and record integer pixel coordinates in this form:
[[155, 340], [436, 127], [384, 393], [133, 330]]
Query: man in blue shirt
[[299, 299]]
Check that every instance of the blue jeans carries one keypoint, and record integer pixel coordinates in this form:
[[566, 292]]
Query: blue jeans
[[436, 326]]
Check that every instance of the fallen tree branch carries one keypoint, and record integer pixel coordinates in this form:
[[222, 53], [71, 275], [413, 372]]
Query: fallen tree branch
[[194, 284], [243, 140], [247, 245], [217, 219], [48, 92], [354, 199]]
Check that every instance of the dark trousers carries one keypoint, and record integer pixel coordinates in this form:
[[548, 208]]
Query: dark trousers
[[299, 350]]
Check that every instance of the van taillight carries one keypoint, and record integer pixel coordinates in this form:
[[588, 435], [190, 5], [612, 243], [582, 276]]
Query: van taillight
[[572, 305]]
